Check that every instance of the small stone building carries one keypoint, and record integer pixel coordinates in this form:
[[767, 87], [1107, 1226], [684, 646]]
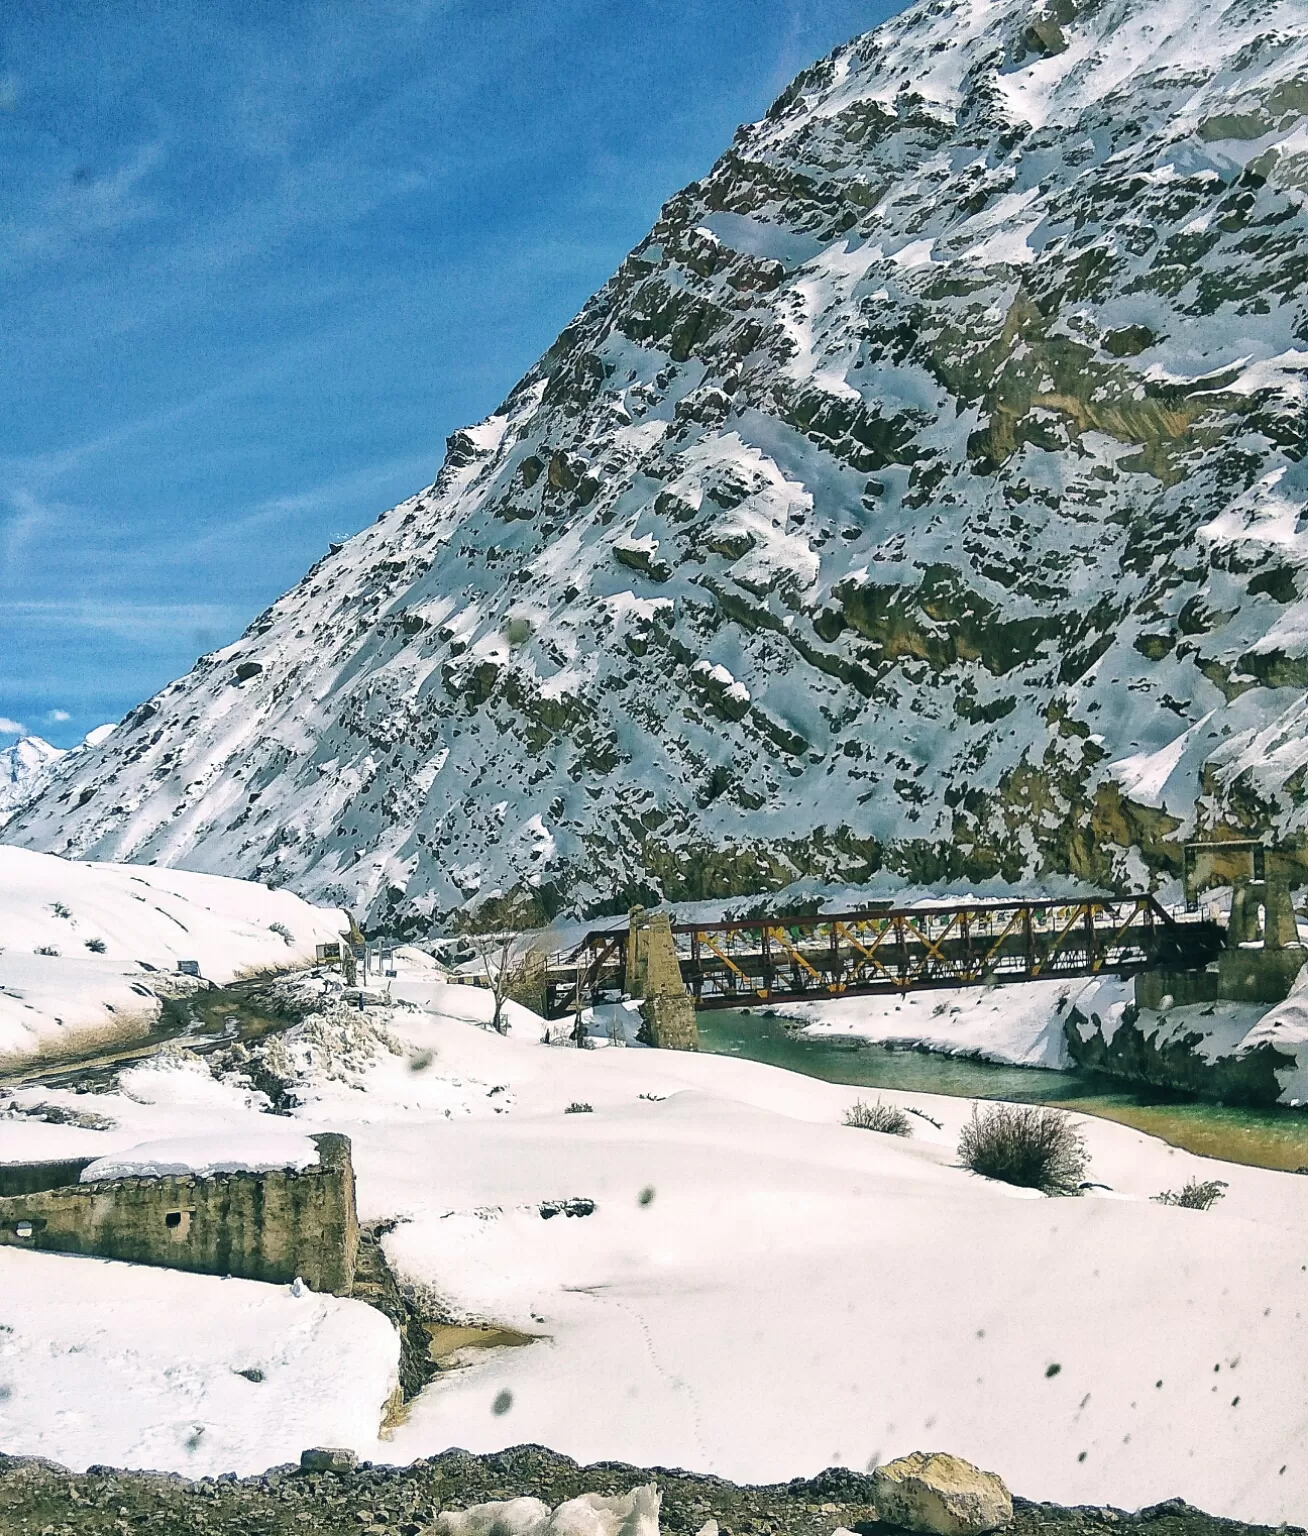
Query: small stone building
[[271, 1225]]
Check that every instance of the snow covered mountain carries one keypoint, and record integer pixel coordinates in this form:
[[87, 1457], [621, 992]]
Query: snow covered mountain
[[25, 767], [921, 498]]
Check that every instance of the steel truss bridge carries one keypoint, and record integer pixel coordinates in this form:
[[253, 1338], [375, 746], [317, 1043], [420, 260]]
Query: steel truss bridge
[[749, 961]]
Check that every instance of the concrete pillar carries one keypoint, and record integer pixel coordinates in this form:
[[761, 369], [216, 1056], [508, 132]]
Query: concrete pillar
[[654, 974], [1266, 972], [1246, 898], [1281, 930], [637, 948]]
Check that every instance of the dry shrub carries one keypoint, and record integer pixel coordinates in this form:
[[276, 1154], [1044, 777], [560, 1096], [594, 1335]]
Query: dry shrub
[[888, 1118], [1024, 1144], [1194, 1195]]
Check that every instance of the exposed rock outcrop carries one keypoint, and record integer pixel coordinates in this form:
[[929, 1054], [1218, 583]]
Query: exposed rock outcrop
[[1227, 1052]]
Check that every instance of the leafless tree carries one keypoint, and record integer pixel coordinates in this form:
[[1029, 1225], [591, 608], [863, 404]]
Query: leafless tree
[[510, 975], [496, 954]]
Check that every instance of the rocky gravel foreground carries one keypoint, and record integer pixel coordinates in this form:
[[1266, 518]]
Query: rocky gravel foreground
[[38, 1498]]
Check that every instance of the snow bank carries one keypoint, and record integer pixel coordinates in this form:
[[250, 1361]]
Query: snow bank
[[1020, 1025], [1285, 1026], [138, 1367], [88, 947], [233, 1153]]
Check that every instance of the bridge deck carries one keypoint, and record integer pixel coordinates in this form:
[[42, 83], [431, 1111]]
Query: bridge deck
[[891, 950]]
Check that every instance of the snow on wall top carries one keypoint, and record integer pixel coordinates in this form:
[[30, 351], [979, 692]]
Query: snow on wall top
[[239, 1152], [956, 417]]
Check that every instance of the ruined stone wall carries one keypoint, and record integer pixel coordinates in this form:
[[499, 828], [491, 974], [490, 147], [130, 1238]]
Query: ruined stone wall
[[259, 1226]]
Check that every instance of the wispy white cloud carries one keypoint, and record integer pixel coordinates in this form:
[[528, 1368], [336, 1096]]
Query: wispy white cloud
[[48, 466], [28, 519], [57, 717], [337, 494], [139, 621], [10, 727], [71, 211]]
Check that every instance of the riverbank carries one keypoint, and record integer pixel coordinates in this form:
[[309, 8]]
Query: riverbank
[[401, 1501], [1256, 1136], [1017, 1025]]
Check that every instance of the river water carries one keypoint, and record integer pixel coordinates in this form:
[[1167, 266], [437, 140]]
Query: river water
[[1268, 1138]]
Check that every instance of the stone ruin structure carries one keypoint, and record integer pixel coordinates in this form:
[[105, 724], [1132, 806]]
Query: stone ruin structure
[[667, 1009], [275, 1225]]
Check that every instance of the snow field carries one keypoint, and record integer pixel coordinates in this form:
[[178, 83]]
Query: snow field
[[762, 1291], [797, 1293], [146, 919], [124, 1365]]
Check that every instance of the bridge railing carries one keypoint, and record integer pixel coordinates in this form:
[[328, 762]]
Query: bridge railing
[[906, 948], [887, 950]]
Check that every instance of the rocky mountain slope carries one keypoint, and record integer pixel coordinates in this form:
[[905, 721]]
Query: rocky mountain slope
[[921, 499]]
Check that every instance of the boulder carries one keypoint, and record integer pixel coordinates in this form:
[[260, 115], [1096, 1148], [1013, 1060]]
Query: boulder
[[500, 1517], [596, 1514], [932, 1491], [1045, 36], [593, 1514], [328, 1458]]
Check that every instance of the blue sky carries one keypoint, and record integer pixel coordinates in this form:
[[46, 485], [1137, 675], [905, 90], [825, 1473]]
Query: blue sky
[[257, 261]]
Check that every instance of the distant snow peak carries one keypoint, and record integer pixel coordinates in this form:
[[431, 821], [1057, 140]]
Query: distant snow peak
[[22, 771], [920, 501], [27, 766]]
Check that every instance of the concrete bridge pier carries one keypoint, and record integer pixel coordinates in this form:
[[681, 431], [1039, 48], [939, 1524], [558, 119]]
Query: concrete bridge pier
[[667, 1010], [1259, 964], [1262, 958]]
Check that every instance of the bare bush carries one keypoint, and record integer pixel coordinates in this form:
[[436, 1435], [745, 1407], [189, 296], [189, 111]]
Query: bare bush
[[1194, 1195], [887, 1118], [96, 946], [1024, 1144], [576, 1108], [282, 932]]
